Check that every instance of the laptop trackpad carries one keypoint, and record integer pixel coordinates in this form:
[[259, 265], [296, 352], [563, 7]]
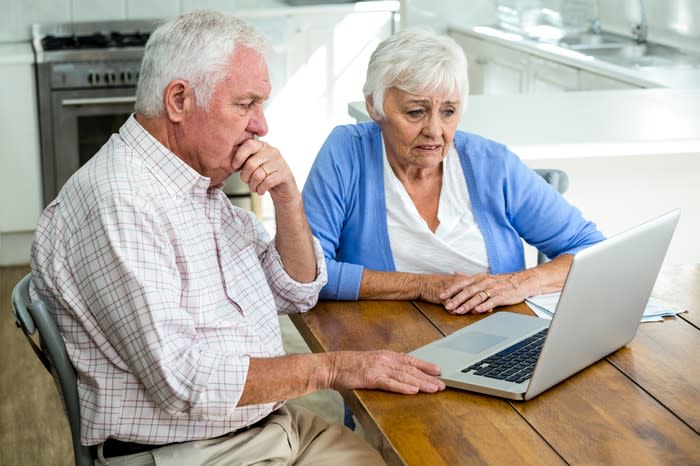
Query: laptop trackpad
[[474, 342]]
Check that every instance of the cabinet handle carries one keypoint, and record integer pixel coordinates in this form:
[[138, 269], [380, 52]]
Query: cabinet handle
[[98, 101]]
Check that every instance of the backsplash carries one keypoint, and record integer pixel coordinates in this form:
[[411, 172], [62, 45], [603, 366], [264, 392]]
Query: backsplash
[[19, 15], [673, 22]]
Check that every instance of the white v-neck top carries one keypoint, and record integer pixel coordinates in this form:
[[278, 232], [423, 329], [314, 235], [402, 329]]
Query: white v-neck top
[[457, 244]]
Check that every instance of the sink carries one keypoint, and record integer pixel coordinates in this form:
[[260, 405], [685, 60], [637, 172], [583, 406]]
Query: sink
[[624, 51], [641, 55], [590, 40]]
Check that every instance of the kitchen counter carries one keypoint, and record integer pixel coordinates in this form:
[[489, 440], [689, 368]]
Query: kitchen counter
[[16, 53], [584, 124], [673, 77]]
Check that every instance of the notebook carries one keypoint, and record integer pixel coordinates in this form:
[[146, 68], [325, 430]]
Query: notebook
[[599, 311]]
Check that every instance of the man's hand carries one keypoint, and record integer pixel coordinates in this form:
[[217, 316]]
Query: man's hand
[[384, 370], [263, 169]]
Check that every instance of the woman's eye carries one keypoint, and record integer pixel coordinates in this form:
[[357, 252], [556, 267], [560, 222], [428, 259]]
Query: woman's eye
[[415, 113], [448, 112]]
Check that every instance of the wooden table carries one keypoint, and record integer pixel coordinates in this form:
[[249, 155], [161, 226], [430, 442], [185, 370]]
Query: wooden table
[[640, 405]]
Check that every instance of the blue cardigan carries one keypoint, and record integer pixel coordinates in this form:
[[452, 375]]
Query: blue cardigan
[[346, 208]]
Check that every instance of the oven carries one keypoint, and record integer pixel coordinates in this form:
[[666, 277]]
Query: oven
[[86, 75]]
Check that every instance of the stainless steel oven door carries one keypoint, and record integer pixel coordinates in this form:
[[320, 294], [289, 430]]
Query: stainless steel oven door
[[83, 120]]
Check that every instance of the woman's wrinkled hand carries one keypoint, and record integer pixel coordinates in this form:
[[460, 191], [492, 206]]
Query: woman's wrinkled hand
[[480, 292]]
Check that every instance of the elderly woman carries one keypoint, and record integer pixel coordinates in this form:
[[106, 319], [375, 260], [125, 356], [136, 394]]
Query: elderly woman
[[408, 207]]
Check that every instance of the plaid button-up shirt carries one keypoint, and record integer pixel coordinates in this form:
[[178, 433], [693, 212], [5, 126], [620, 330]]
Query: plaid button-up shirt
[[162, 291]]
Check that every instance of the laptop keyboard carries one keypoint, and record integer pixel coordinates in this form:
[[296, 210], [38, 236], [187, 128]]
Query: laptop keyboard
[[513, 364]]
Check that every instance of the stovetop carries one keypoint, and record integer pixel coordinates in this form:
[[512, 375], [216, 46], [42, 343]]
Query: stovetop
[[97, 40], [91, 41]]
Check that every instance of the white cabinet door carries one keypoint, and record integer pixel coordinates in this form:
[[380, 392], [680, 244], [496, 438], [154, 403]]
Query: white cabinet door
[[549, 76], [592, 81], [20, 190], [493, 69]]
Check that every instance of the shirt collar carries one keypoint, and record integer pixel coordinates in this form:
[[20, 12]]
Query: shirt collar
[[173, 172]]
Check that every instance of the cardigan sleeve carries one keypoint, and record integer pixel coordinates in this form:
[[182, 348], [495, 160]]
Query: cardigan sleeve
[[544, 218], [327, 194]]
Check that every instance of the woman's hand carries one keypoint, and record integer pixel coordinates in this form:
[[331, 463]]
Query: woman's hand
[[482, 292]]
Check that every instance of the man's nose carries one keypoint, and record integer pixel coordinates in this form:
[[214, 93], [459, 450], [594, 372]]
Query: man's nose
[[258, 124]]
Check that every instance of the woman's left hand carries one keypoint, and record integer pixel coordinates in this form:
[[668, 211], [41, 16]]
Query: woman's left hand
[[481, 293]]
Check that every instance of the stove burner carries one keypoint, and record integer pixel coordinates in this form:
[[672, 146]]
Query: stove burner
[[94, 41]]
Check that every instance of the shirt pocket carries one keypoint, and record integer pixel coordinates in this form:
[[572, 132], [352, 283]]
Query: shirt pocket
[[245, 282]]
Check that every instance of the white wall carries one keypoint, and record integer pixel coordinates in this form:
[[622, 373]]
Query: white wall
[[620, 192]]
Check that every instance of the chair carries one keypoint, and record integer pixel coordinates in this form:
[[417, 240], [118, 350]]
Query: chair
[[559, 180], [32, 316]]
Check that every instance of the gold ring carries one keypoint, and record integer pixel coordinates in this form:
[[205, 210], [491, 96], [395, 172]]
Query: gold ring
[[267, 173], [487, 294]]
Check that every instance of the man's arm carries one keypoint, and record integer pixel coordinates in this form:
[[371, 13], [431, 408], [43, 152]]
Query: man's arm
[[264, 170], [287, 377]]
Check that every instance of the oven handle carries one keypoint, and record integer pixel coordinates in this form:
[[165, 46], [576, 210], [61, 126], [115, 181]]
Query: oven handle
[[98, 101]]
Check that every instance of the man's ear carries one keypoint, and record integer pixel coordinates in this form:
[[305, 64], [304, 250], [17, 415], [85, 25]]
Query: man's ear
[[178, 100], [369, 105]]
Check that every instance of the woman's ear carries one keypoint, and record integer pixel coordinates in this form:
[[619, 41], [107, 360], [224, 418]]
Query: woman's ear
[[178, 100], [369, 105]]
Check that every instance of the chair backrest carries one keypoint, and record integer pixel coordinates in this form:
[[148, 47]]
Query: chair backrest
[[559, 180], [555, 177], [31, 317]]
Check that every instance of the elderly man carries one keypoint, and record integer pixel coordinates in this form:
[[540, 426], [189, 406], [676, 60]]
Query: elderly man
[[167, 296]]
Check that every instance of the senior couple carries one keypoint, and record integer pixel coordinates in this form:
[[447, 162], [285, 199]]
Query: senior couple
[[167, 296]]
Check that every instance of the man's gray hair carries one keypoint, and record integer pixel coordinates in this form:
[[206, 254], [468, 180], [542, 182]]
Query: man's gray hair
[[418, 62], [195, 47]]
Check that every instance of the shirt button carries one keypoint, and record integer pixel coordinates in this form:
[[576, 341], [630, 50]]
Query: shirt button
[[203, 184]]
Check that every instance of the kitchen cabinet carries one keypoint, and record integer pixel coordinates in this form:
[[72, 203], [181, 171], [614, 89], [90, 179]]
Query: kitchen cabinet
[[549, 76], [592, 81], [493, 69], [19, 157], [20, 192], [498, 69]]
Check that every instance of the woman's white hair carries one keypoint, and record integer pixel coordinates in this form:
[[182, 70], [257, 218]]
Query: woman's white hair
[[419, 62], [195, 47]]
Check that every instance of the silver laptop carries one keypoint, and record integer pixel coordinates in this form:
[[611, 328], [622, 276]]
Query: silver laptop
[[518, 357]]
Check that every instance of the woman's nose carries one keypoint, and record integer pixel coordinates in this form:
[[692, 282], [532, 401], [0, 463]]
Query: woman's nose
[[433, 126]]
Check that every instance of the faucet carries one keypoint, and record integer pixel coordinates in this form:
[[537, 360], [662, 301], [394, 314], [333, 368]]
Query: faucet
[[640, 31]]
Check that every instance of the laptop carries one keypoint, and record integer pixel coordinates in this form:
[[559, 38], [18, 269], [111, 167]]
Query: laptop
[[518, 357]]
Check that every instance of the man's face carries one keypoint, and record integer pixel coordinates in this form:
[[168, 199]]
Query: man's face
[[211, 138]]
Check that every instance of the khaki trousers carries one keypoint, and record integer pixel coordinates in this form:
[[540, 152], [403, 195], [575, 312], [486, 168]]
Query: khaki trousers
[[290, 435]]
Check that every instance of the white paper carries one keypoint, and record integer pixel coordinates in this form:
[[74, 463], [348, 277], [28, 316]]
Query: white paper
[[545, 305]]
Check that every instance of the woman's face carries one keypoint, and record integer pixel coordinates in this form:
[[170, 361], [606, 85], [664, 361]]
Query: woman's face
[[418, 129]]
